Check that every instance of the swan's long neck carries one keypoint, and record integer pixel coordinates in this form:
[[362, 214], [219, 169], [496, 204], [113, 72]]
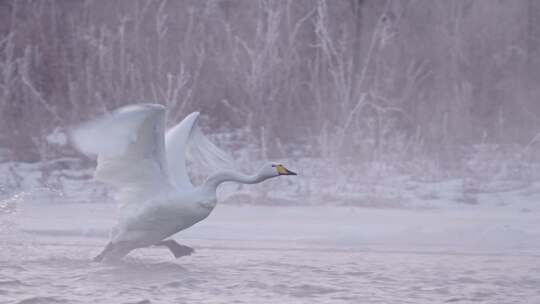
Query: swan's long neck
[[216, 179]]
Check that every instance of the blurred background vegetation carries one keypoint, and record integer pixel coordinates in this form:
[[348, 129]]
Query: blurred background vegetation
[[351, 81]]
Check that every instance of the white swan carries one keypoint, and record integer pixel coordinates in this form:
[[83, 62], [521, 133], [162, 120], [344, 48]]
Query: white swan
[[149, 170]]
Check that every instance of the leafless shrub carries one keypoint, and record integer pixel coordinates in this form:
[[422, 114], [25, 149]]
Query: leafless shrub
[[409, 83]]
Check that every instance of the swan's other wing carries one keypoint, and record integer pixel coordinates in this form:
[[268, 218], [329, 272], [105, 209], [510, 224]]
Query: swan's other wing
[[176, 142], [130, 149], [188, 136]]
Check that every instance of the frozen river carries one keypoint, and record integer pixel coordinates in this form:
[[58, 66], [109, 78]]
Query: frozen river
[[278, 255]]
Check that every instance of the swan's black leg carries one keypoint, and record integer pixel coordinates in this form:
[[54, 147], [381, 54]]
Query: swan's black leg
[[100, 256], [177, 250]]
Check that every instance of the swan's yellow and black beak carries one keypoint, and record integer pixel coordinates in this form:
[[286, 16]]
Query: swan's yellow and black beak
[[284, 171]]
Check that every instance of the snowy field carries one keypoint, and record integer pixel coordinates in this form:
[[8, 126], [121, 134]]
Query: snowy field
[[414, 127], [298, 254]]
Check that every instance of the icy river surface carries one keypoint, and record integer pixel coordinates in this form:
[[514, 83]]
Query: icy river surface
[[278, 255]]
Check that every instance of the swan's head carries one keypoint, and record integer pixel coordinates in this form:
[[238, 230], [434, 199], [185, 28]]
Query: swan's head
[[274, 169]]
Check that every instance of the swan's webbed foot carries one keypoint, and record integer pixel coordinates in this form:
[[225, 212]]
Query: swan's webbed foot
[[177, 250], [100, 256], [114, 252]]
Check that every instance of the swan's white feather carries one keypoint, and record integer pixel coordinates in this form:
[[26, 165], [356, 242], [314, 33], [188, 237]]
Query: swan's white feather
[[206, 153], [176, 142], [149, 169], [186, 140], [130, 149]]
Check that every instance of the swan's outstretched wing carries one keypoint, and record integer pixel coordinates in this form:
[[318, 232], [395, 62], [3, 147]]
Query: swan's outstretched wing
[[188, 136], [176, 142], [130, 149]]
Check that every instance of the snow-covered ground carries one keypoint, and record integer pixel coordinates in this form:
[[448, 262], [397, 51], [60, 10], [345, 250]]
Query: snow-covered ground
[[376, 185], [323, 237], [264, 254]]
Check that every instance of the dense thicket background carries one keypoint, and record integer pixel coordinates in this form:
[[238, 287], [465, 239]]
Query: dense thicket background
[[347, 81]]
